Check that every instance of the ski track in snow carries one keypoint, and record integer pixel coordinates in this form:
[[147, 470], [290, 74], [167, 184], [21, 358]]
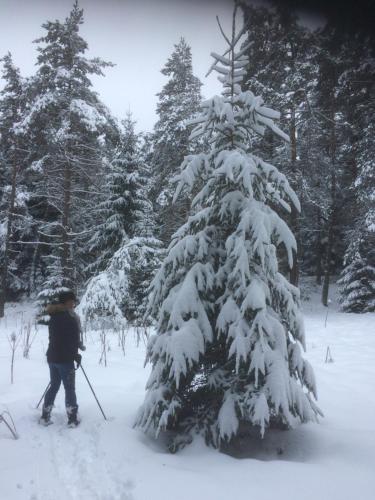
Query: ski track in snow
[[80, 464], [75, 462], [100, 460]]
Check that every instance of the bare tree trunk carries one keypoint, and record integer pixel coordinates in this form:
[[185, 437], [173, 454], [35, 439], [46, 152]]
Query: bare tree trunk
[[294, 220], [319, 251], [66, 263], [332, 212], [32, 274], [8, 235], [327, 263]]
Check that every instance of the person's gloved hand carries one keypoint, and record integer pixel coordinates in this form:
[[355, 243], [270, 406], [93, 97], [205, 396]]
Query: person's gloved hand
[[78, 359]]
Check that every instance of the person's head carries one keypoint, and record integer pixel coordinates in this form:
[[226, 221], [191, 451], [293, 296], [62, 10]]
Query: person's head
[[68, 299]]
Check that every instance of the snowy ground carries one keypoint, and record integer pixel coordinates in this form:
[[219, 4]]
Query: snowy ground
[[112, 461]]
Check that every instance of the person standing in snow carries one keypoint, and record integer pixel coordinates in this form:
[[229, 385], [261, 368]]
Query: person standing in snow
[[64, 342]]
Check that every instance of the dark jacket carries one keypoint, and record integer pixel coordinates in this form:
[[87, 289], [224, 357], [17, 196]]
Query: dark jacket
[[64, 334]]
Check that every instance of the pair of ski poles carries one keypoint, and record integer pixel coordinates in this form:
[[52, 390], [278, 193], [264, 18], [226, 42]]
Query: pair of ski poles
[[92, 390]]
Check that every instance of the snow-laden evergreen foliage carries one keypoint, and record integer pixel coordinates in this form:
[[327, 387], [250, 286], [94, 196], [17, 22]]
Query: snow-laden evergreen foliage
[[179, 102], [357, 280], [124, 198], [116, 296], [229, 341], [127, 252], [283, 69], [67, 130], [54, 284], [145, 255], [61, 151], [15, 221], [101, 304]]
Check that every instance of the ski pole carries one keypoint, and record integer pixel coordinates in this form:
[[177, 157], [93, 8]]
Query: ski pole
[[44, 393], [88, 381]]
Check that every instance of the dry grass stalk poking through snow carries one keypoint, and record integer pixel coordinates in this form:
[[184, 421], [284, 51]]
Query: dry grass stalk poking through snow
[[14, 341], [104, 346], [28, 338]]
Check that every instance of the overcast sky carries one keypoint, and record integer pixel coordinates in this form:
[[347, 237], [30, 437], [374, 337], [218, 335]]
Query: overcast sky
[[137, 35]]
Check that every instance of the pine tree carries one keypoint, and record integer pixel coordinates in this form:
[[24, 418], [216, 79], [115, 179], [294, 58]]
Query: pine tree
[[357, 281], [330, 66], [13, 206], [116, 296], [123, 198], [229, 329], [145, 254], [335, 148], [68, 131], [179, 101], [282, 69], [127, 252]]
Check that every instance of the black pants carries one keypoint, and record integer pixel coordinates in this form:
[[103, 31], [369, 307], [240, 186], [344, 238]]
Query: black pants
[[65, 373]]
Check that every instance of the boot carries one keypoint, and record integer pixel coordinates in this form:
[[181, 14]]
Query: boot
[[45, 419], [73, 419]]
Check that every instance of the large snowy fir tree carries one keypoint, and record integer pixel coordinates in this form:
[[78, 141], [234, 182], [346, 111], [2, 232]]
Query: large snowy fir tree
[[229, 334]]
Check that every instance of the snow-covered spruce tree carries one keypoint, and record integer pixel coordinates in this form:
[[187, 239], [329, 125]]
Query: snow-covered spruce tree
[[116, 296], [123, 198], [229, 332], [67, 129], [357, 280], [145, 252], [328, 138], [128, 253], [14, 219], [179, 101]]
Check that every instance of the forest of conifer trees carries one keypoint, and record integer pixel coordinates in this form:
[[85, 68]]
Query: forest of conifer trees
[[86, 202]]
